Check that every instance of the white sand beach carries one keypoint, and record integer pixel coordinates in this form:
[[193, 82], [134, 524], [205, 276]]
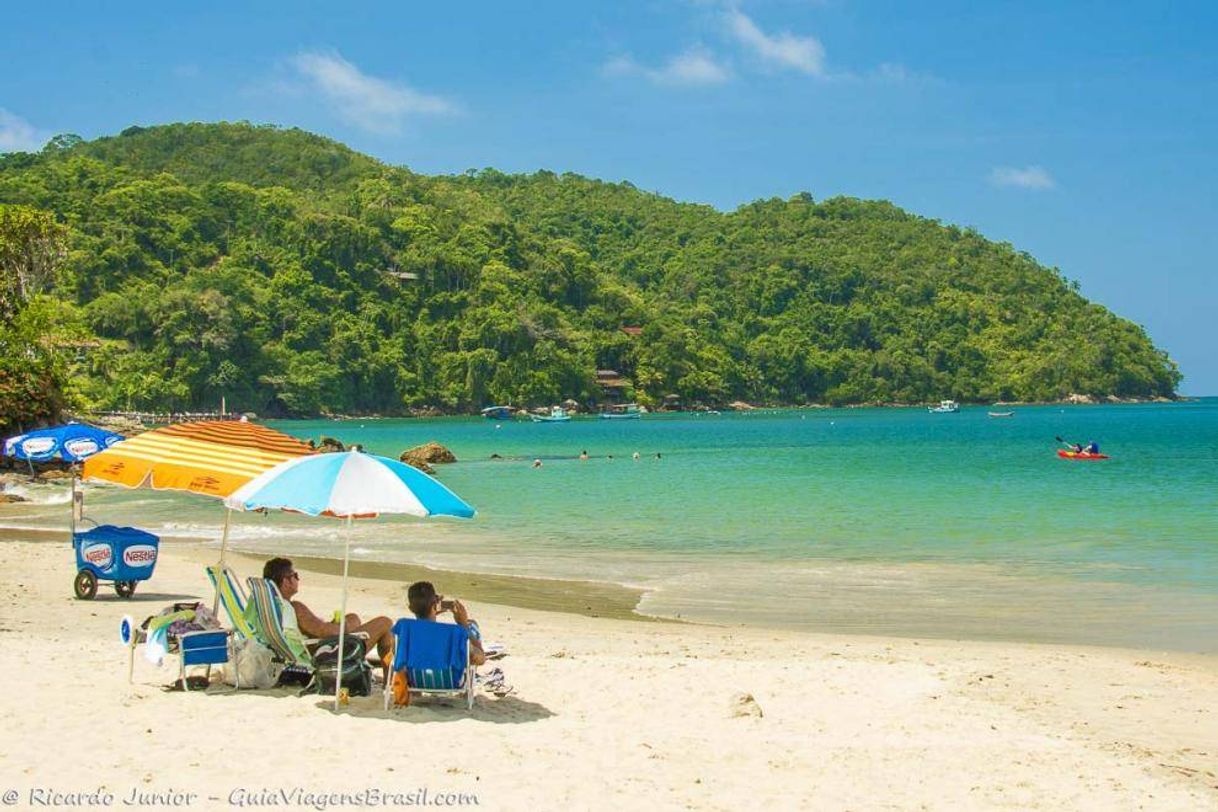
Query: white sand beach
[[607, 713]]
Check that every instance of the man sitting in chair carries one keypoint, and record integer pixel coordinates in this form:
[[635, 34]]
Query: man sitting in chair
[[427, 605], [287, 580]]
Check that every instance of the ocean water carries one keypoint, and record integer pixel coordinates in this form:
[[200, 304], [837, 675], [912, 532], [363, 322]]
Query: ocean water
[[878, 521]]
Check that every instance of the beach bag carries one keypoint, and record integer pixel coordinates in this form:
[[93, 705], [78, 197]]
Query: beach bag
[[356, 673], [254, 663]]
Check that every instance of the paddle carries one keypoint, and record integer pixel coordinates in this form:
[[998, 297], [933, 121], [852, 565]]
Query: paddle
[[1067, 445]]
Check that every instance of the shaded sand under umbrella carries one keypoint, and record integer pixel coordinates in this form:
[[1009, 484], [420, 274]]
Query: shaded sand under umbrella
[[349, 485]]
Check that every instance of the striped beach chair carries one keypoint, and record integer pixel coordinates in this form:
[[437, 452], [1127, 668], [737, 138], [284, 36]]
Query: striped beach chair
[[265, 614], [434, 659], [232, 597]]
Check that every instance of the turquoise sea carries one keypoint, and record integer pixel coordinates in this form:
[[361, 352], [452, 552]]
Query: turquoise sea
[[877, 521]]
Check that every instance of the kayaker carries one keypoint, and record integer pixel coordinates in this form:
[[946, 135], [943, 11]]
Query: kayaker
[[1092, 448]]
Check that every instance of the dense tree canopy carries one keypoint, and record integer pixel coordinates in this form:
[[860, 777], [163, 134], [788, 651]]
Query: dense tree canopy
[[293, 275]]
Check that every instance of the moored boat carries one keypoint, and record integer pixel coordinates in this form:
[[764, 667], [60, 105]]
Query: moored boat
[[557, 415], [497, 412], [622, 411], [944, 407], [1001, 414]]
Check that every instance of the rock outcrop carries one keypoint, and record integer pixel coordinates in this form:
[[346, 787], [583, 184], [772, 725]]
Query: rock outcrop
[[423, 456], [329, 445], [431, 452]]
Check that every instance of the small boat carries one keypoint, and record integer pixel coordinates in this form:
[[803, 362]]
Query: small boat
[[1001, 414], [497, 412], [557, 415], [622, 411], [1079, 455], [944, 407]]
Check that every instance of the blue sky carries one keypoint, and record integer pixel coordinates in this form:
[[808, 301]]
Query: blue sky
[[1083, 133]]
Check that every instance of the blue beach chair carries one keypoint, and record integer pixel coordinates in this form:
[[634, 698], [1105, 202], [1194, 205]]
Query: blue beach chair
[[434, 658]]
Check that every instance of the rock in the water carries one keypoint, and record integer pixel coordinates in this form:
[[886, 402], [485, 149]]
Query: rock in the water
[[11, 497], [743, 705], [431, 452], [418, 463], [329, 445], [50, 476]]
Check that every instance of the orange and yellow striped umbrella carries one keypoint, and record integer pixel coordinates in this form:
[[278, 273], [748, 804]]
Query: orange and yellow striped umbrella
[[212, 458]]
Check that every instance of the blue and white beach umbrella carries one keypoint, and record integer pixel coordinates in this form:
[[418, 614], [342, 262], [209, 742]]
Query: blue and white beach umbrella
[[71, 443], [349, 485]]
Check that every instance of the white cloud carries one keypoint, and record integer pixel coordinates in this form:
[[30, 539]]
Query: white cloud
[[18, 135], [377, 105], [786, 50], [694, 67], [1030, 177]]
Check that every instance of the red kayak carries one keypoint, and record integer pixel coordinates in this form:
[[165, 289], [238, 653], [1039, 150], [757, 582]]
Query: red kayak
[[1079, 455]]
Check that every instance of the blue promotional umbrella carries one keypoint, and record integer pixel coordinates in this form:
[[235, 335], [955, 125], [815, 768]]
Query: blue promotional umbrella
[[70, 443], [350, 485]]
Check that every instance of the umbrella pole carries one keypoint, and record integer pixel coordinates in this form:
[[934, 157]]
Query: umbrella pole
[[342, 614], [215, 601], [72, 505]]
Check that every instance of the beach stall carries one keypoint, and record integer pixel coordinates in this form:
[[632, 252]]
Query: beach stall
[[349, 485], [122, 555]]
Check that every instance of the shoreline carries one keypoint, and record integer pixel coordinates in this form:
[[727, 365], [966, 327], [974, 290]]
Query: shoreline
[[152, 419], [632, 711], [586, 598], [606, 599]]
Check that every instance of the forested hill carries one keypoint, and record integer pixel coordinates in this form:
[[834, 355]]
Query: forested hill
[[293, 275]]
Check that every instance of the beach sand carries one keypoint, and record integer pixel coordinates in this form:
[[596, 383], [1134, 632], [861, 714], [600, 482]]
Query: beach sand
[[608, 712]]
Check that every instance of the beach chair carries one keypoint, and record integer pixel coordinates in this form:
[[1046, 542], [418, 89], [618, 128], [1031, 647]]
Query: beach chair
[[265, 613], [201, 647], [434, 658], [233, 598], [266, 621]]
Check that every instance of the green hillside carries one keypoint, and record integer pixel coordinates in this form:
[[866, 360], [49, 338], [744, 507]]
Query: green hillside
[[293, 275]]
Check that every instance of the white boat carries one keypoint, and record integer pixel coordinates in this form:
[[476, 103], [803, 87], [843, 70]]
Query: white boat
[[497, 412], [944, 407], [557, 415], [1001, 414], [623, 411]]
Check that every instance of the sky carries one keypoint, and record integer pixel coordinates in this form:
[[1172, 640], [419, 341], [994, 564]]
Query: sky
[[1085, 133]]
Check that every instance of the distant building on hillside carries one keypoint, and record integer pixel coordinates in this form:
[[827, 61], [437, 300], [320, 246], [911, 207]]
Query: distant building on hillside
[[612, 385]]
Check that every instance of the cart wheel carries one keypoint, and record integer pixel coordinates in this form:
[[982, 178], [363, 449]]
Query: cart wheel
[[125, 589], [85, 585]]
